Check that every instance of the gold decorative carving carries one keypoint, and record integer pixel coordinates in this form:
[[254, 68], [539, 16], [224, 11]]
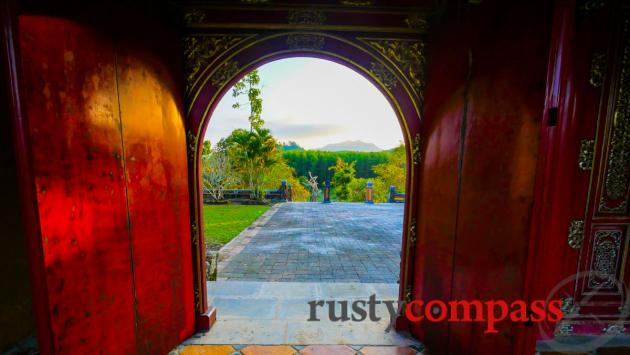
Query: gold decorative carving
[[407, 55], [195, 233], [564, 328], [412, 232], [384, 75], [569, 307], [614, 329], [598, 69], [192, 144], [417, 22], [305, 41], [197, 298], [194, 16], [585, 161], [199, 50], [589, 6], [306, 17], [226, 72], [576, 234], [416, 149], [607, 249], [408, 295], [618, 173], [356, 2]]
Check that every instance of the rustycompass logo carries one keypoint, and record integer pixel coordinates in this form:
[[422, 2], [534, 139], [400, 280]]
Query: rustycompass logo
[[459, 311]]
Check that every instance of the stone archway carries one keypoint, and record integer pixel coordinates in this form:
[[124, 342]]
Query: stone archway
[[393, 66]]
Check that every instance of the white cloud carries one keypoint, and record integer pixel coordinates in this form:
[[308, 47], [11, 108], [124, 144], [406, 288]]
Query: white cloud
[[315, 102]]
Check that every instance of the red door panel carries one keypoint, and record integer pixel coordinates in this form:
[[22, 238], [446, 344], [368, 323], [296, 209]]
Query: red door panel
[[110, 167], [157, 183], [70, 99]]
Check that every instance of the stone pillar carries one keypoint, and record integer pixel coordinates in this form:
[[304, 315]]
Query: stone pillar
[[369, 193], [392, 194], [327, 192]]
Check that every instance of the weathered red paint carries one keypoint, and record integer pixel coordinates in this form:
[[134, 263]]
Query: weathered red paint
[[484, 102], [109, 162], [564, 192], [156, 163], [484, 105], [70, 99]]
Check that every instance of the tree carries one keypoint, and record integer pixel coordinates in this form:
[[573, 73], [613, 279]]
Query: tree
[[217, 174], [344, 173], [206, 149], [252, 153], [249, 87], [281, 170], [394, 171]]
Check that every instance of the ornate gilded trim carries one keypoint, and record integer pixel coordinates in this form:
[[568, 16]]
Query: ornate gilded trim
[[194, 16], [306, 41], [356, 2], [588, 6], [416, 149], [195, 233], [417, 22], [585, 160], [198, 297], [199, 50], [568, 307], [384, 75], [306, 17], [576, 234], [407, 56], [606, 252], [412, 232], [192, 144], [614, 329], [564, 328], [598, 70], [618, 173], [226, 72]]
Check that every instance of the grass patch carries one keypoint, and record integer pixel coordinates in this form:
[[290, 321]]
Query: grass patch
[[224, 222]]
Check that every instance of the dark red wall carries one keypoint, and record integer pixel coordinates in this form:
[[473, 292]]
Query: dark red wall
[[109, 162], [484, 101]]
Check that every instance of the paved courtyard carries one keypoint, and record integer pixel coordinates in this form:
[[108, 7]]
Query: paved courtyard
[[253, 312], [315, 242]]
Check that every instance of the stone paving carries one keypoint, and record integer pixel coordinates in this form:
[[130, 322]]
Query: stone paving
[[315, 242], [274, 313]]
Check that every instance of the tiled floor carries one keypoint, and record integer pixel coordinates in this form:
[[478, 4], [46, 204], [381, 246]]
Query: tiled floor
[[271, 313], [291, 350], [315, 242]]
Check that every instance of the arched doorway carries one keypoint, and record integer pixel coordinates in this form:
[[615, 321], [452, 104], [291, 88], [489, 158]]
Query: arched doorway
[[236, 55]]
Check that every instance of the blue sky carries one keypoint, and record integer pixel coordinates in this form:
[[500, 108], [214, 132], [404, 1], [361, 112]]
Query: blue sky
[[314, 102]]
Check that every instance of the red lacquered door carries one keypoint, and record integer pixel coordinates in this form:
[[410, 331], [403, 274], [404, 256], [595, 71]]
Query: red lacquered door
[[598, 229], [109, 164]]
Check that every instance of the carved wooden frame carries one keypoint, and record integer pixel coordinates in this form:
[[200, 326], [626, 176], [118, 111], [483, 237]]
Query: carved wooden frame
[[388, 73]]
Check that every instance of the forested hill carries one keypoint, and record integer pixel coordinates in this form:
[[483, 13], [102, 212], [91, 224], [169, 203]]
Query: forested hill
[[318, 162]]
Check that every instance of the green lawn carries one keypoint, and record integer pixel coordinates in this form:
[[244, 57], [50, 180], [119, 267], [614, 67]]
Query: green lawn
[[224, 222]]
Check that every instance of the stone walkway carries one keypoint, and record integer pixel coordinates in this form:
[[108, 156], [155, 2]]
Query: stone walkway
[[271, 313], [315, 242]]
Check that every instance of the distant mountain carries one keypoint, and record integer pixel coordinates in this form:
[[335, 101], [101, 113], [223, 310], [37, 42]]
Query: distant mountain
[[290, 145], [351, 146]]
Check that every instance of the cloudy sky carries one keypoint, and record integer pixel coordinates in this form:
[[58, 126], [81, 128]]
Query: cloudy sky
[[314, 102]]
